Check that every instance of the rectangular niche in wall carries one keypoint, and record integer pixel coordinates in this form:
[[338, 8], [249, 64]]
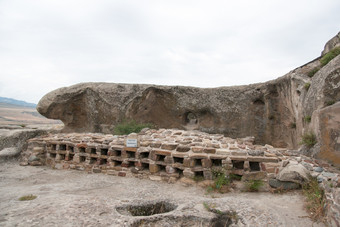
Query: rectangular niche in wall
[[216, 162], [254, 166], [238, 164], [104, 151]]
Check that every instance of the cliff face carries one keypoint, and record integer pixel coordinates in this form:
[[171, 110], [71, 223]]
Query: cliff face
[[276, 112]]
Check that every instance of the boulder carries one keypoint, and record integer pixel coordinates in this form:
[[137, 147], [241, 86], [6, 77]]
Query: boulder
[[273, 112], [285, 185], [294, 173]]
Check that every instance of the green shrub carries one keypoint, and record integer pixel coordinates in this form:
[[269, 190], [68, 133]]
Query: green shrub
[[313, 71], [27, 197], [315, 198], [309, 139], [329, 56], [307, 119], [307, 86], [253, 185], [329, 103], [221, 181], [127, 127]]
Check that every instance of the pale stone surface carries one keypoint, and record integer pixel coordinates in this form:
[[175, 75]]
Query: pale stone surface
[[294, 173]]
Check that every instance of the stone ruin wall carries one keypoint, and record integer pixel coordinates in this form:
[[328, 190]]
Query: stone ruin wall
[[170, 154]]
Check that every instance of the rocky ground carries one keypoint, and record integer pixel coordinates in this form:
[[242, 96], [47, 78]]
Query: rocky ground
[[75, 198]]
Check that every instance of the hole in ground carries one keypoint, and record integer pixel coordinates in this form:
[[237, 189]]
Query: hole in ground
[[147, 209]]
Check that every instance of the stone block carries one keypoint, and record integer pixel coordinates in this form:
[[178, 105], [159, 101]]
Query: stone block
[[237, 171], [81, 145], [209, 150], [207, 175], [187, 162], [262, 159], [125, 165], [271, 169], [170, 170], [198, 156], [188, 173], [153, 168], [285, 185], [155, 144], [122, 173], [163, 152], [133, 149], [246, 165], [253, 176], [239, 153], [168, 160], [223, 152], [180, 155], [169, 146], [183, 148], [144, 143], [206, 163], [197, 149]]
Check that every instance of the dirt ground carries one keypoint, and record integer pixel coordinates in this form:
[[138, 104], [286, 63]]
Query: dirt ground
[[75, 198]]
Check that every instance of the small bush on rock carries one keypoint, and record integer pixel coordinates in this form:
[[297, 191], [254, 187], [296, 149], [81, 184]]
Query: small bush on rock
[[329, 56], [307, 86], [313, 71], [309, 139], [127, 127], [329, 103], [307, 119]]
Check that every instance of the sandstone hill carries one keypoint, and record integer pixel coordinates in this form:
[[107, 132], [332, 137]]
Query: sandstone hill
[[278, 112]]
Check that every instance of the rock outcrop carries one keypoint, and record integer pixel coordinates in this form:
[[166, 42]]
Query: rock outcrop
[[277, 112]]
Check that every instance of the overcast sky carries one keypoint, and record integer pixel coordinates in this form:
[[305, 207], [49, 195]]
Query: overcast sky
[[47, 44]]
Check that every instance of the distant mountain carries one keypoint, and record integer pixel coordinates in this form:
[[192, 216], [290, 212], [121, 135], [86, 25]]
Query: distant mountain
[[16, 102]]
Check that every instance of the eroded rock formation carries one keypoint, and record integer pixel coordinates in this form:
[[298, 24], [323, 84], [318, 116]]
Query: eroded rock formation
[[277, 112]]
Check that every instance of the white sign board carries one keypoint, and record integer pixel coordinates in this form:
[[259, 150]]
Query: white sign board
[[131, 143]]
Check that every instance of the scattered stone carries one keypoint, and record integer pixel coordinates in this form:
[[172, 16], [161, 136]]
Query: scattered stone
[[285, 185], [318, 169]]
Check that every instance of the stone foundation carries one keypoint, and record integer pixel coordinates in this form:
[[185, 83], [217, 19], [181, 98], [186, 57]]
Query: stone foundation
[[169, 155], [166, 153]]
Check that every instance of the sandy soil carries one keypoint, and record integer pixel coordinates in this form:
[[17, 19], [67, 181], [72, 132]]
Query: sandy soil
[[74, 198], [16, 115]]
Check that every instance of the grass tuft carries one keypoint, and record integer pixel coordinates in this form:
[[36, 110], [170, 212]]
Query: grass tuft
[[308, 139], [307, 119], [313, 71], [315, 199], [253, 185], [307, 86], [329, 103], [127, 127], [292, 125], [27, 197], [329, 56]]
